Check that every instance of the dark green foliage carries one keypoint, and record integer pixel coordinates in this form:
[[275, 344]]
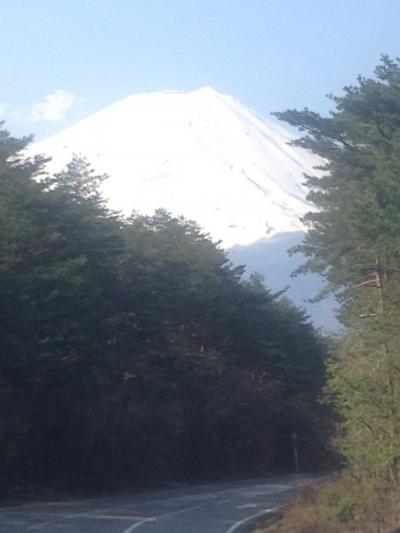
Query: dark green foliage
[[358, 197], [354, 241], [131, 351]]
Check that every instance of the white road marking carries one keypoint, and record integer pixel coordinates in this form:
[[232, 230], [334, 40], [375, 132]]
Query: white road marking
[[53, 521], [236, 525], [44, 504], [247, 505], [12, 523], [112, 517], [135, 526], [154, 518], [62, 517]]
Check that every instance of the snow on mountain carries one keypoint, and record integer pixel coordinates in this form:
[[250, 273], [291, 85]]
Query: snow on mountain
[[200, 154], [204, 155]]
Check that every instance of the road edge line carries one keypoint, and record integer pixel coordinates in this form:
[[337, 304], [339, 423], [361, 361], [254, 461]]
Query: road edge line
[[248, 524]]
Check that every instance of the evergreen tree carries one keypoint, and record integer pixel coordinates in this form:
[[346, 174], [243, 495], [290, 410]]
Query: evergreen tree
[[353, 240], [132, 350]]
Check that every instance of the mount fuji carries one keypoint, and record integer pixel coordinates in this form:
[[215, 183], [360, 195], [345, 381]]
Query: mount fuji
[[207, 157], [199, 154]]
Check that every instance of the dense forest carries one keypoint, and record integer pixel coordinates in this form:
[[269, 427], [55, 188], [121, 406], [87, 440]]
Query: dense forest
[[132, 352], [354, 241]]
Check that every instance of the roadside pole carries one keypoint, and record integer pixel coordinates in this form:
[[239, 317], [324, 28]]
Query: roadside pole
[[295, 439]]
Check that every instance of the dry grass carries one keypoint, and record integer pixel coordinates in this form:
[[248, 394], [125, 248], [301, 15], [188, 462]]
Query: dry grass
[[339, 507]]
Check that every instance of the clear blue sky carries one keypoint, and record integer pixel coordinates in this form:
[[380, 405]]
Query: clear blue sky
[[270, 54]]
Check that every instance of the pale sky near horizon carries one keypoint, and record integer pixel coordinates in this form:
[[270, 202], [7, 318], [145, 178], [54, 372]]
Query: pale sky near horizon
[[64, 59]]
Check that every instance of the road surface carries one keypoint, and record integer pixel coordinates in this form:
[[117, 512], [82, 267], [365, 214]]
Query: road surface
[[216, 508]]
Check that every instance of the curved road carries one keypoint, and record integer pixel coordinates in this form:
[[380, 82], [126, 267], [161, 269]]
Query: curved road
[[217, 508]]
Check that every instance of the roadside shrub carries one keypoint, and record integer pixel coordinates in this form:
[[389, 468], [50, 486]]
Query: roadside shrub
[[337, 507]]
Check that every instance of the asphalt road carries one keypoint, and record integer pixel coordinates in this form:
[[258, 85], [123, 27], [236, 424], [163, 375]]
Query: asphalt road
[[216, 508]]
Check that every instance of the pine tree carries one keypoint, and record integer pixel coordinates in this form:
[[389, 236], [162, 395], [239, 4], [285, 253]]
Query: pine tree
[[354, 241], [131, 349]]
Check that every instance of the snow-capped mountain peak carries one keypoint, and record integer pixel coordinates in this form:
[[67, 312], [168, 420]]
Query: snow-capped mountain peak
[[200, 154]]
